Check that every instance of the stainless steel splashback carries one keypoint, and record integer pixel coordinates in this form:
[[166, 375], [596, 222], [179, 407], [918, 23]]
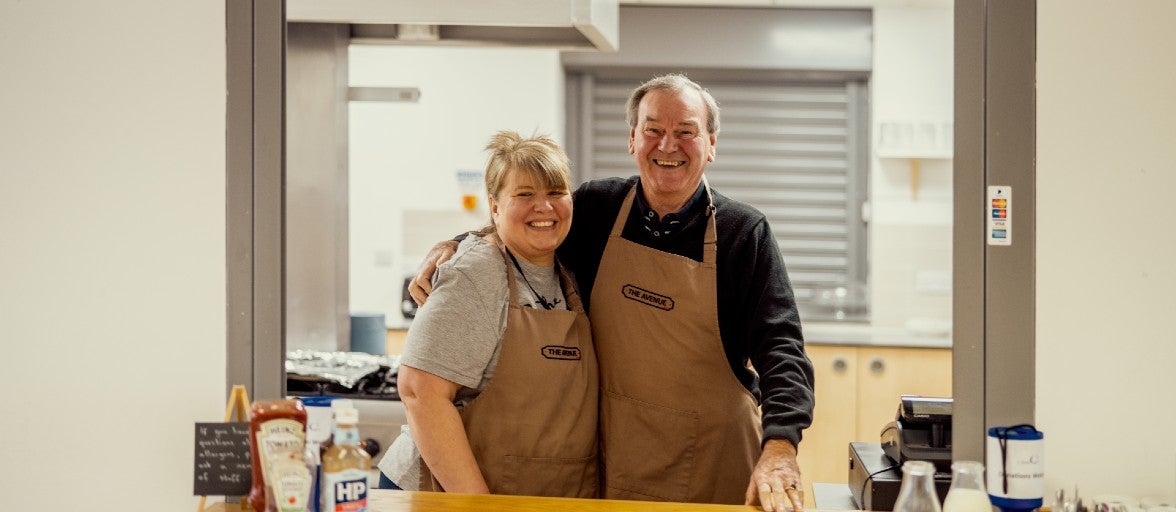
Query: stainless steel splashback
[[316, 229]]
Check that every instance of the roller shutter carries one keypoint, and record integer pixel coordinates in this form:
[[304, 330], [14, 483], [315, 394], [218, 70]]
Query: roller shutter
[[792, 151]]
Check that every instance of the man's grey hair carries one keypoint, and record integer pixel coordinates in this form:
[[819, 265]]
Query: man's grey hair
[[673, 82]]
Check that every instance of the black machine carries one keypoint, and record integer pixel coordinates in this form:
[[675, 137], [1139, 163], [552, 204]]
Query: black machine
[[874, 479], [920, 431]]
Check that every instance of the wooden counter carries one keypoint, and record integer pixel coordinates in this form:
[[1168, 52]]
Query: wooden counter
[[382, 500]]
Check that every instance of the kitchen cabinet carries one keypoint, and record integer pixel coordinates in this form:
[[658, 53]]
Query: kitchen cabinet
[[857, 393], [394, 341]]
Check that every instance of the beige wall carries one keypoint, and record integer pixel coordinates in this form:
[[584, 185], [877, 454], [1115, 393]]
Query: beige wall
[[112, 229], [1106, 243]]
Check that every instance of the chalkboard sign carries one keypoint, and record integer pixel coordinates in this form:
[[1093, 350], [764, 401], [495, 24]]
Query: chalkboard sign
[[222, 460]]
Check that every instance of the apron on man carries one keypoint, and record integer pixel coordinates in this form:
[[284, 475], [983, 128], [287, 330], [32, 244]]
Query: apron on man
[[676, 423], [533, 429]]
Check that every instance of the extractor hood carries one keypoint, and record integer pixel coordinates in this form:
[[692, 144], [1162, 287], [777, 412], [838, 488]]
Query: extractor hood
[[563, 24]]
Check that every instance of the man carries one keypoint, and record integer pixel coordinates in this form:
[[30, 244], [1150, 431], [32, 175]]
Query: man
[[685, 287]]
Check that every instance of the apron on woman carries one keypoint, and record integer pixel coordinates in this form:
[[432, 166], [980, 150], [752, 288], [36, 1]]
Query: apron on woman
[[533, 428], [676, 423]]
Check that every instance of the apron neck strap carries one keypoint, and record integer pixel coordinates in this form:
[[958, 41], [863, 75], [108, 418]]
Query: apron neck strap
[[623, 215], [710, 200], [512, 292], [569, 284], [571, 293], [709, 239]]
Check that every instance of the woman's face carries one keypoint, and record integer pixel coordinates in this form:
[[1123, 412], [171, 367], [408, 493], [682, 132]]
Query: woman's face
[[531, 219]]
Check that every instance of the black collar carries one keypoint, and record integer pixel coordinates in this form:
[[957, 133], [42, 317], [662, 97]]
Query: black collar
[[671, 222]]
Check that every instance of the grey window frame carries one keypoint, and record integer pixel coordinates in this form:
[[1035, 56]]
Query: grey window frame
[[992, 65]]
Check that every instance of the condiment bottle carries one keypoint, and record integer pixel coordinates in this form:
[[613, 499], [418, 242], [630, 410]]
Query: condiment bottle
[[313, 459], [345, 465], [917, 493], [967, 492], [277, 431]]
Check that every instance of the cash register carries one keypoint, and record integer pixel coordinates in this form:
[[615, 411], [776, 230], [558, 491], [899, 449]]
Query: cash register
[[921, 430]]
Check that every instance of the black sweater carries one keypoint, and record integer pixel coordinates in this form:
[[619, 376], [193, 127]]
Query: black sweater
[[758, 320]]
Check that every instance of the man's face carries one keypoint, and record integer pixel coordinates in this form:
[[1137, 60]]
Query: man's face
[[671, 144]]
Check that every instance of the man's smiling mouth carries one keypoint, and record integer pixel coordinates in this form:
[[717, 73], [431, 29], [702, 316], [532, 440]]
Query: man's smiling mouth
[[668, 163]]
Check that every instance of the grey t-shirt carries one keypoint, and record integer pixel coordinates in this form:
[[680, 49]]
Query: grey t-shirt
[[457, 334]]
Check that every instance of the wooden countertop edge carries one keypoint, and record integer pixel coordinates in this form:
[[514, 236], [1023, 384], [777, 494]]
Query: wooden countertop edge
[[382, 500]]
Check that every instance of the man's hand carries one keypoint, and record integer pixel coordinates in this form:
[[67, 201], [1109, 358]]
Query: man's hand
[[775, 481], [422, 285]]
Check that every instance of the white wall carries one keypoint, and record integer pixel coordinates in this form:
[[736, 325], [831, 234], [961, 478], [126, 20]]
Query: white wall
[[112, 228], [1106, 244], [404, 157], [910, 230]]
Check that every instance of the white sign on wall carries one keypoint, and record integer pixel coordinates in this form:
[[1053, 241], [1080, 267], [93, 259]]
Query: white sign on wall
[[1000, 215]]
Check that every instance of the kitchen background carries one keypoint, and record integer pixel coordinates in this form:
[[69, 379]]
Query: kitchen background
[[398, 167], [112, 246], [405, 158]]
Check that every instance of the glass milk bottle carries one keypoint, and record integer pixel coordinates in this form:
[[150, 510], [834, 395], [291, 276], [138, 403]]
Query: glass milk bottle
[[967, 492], [917, 493]]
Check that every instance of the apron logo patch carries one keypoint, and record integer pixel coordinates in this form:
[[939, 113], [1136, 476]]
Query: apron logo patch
[[647, 297], [560, 352]]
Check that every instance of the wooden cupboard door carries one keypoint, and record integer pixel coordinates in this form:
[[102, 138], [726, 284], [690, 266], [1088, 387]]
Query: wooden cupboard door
[[394, 341], [823, 450], [885, 374]]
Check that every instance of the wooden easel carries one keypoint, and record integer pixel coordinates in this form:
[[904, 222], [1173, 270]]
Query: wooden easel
[[238, 406]]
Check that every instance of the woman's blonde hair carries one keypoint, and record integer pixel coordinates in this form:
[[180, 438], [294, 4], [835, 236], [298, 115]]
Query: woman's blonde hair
[[537, 155]]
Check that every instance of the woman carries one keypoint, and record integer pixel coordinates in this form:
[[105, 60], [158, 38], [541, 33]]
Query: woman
[[498, 375]]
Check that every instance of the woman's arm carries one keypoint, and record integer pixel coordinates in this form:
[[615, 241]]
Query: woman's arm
[[438, 430]]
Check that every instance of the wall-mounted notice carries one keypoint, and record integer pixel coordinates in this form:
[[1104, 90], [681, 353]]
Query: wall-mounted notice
[[1000, 215], [222, 460]]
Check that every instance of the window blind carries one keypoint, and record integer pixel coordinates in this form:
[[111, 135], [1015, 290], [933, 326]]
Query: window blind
[[788, 150]]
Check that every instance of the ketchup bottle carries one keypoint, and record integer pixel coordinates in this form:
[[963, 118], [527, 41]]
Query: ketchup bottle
[[277, 428]]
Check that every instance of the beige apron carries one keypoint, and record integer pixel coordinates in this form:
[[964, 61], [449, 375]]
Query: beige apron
[[533, 428], [676, 424]]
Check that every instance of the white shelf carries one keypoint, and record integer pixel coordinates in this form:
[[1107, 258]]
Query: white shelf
[[913, 158], [913, 154]]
